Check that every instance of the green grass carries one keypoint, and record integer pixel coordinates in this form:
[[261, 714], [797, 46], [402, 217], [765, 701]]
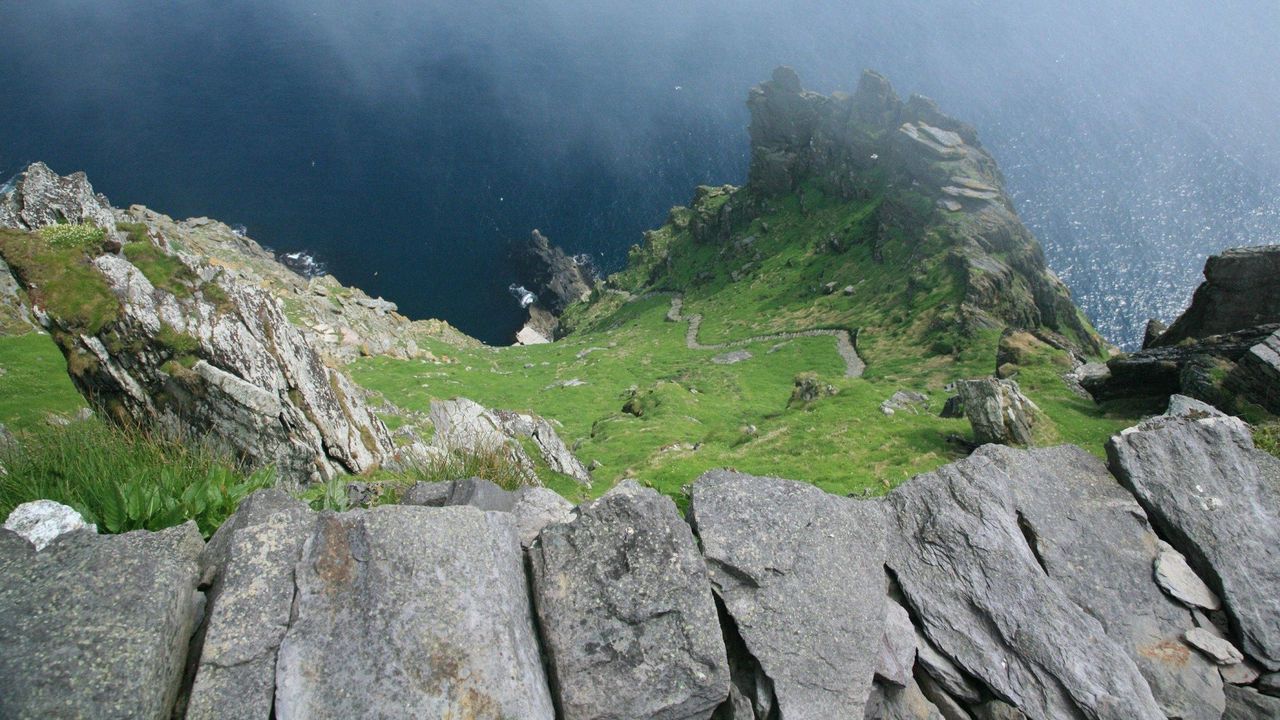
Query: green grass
[[62, 280], [163, 270], [34, 382], [122, 480]]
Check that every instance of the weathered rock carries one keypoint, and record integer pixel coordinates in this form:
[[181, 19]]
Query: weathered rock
[[944, 673], [808, 387], [948, 706], [627, 616], [429, 494], [999, 599], [1162, 370], [1256, 376], [731, 358], [97, 625], [251, 562], [1270, 684], [544, 436], [537, 507], [1215, 648], [1153, 330], [801, 573], [557, 278], [1177, 578], [1242, 673], [465, 426], [1183, 406], [997, 410], [953, 408], [411, 612], [43, 521], [1248, 704], [41, 197], [997, 710], [480, 494], [1217, 500], [897, 646], [1239, 291], [905, 400], [891, 702]]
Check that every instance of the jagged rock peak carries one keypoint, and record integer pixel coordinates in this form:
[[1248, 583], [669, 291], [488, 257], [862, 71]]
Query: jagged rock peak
[[556, 280], [1241, 289]]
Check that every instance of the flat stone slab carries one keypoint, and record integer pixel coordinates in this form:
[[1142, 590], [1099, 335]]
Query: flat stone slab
[[412, 612], [801, 572]]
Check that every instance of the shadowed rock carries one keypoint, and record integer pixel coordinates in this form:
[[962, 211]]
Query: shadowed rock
[[1240, 290], [626, 612], [801, 573]]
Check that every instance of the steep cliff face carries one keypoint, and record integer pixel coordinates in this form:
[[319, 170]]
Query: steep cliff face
[[158, 337]]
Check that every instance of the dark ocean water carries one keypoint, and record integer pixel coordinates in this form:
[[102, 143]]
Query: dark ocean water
[[407, 143]]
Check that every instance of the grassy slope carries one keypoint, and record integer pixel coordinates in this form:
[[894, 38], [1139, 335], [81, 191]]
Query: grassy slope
[[697, 413], [34, 381]]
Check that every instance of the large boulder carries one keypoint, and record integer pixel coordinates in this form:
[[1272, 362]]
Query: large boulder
[[1216, 499], [801, 573], [969, 572], [626, 612], [464, 426], [407, 612], [998, 411], [97, 625], [249, 565], [1240, 290]]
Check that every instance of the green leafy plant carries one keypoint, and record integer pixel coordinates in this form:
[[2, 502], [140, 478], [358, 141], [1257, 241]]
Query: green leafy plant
[[125, 480]]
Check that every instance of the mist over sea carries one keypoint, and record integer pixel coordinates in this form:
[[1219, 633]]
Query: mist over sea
[[406, 143]]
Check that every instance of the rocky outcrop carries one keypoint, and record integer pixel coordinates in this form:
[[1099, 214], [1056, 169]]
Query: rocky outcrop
[[800, 572], [848, 143], [42, 197], [557, 280], [1257, 374], [464, 426], [1215, 498], [1241, 289], [97, 625], [626, 612], [194, 350], [997, 410]]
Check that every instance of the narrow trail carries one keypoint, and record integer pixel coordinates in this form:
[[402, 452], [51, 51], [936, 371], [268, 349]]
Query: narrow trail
[[853, 363]]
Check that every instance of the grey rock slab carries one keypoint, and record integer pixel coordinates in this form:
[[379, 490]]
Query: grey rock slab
[[1248, 704], [1243, 673], [732, 357], [1216, 499], [1184, 406], [536, 508], [43, 521], [428, 494], [897, 646], [251, 560], [626, 612], [97, 625], [1100, 553], [893, 702], [942, 671], [482, 494], [802, 574], [406, 612], [1215, 648], [950, 708], [1269, 684], [1177, 578], [981, 595]]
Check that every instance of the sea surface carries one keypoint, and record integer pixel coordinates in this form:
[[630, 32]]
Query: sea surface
[[406, 144]]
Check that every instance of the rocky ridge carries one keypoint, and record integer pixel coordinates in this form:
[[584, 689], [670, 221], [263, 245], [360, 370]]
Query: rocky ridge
[[964, 593]]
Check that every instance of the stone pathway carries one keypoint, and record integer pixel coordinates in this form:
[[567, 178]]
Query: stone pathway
[[853, 363]]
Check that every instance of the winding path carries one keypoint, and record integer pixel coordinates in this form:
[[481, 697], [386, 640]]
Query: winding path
[[853, 364]]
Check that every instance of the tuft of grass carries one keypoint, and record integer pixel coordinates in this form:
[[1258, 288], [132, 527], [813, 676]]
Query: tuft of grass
[[1267, 437], [80, 235], [492, 464], [125, 480], [62, 280], [163, 270]]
